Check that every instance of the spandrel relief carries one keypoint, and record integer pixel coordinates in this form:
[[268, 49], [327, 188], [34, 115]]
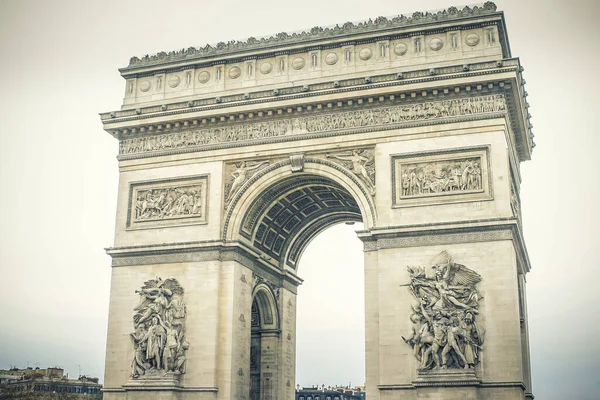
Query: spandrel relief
[[159, 342], [396, 115], [361, 163], [444, 176], [445, 331], [160, 203], [238, 174]]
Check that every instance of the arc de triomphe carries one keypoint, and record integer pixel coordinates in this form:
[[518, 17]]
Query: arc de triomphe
[[233, 157]]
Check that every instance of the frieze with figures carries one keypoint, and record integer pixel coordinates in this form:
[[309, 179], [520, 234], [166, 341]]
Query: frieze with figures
[[445, 176], [423, 179], [159, 341], [343, 120], [446, 333], [170, 202]]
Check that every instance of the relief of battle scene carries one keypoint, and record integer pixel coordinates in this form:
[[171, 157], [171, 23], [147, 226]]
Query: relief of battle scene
[[168, 202], [463, 175], [445, 332], [164, 203], [159, 341]]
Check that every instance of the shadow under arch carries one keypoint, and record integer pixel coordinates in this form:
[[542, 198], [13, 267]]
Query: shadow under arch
[[278, 212]]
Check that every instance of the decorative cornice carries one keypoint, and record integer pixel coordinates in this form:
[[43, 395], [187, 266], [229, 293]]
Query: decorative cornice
[[410, 386], [379, 25], [211, 250], [300, 91], [447, 233]]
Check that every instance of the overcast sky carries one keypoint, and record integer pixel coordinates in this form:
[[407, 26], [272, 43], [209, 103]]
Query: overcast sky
[[58, 179]]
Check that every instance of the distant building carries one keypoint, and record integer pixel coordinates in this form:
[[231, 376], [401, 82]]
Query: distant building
[[48, 380], [330, 393]]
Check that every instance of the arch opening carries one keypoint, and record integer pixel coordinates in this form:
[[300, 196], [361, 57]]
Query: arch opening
[[283, 220], [264, 328]]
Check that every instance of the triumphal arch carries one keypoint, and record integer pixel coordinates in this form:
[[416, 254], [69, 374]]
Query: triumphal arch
[[233, 157]]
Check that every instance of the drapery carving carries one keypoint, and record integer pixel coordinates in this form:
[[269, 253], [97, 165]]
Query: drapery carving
[[159, 343], [361, 163], [397, 114], [240, 174], [157, 204], [445, 333], [461, 175], [179, 201]]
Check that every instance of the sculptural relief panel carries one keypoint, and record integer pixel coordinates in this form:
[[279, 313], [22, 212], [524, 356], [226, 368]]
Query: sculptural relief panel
[[159, 340], [441, 176], [445, 332], [237, 174], [395, 115], [169, 202]]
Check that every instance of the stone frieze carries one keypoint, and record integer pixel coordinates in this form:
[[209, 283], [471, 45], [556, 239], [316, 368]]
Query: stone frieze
[[433, 178], [168, 202], [441, 176], [345, 120]]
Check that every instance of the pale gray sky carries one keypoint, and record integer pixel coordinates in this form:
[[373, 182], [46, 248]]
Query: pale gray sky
[[58, 179]]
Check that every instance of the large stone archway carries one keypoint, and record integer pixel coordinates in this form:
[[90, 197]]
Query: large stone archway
[[232, 159]]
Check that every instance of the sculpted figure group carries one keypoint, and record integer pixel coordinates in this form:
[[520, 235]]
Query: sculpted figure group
[[159, 339], [172, 202], [397, 114], [445, 333], [438, 177]]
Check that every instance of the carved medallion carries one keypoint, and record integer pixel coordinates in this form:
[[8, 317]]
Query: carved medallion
[[203, 76], [472, 39], [365, 54], [235, 72], [174, 81], [172, 202], [445, 333], [266, 67], [331, 59], [436, 44], [298, 63], [400, 49], [145, 85], [159, 343]]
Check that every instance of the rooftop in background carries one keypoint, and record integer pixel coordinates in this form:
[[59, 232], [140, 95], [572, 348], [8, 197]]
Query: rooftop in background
[[29, 380]]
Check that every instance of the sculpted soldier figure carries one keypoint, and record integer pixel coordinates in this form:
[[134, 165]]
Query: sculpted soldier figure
[[155, 342], [444, 332], [159, 344]]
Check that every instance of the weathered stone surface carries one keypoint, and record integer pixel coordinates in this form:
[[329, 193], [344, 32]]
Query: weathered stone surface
[[232, 168]]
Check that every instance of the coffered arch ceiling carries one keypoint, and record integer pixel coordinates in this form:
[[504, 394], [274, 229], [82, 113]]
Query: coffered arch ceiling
[[283, 220]]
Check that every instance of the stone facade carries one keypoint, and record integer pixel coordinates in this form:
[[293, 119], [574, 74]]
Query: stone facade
[[233, 157]]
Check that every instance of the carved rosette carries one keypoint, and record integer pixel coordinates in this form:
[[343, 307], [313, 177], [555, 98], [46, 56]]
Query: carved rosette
[[445, 332], [159, 342]]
